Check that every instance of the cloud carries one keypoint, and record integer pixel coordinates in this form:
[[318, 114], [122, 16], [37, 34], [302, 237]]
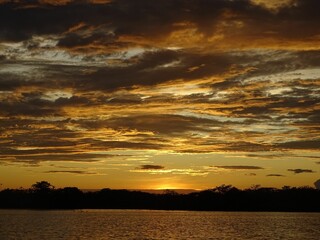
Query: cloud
[[169, 20], [275, 175], [240, 167], [158, 123], [303, 144], [71, 172], [299, 170], [184, 76], [273, 4], [317, 184], [158, 169], [246, 146], [153, 68], [268, 155], [151, 167], [251, 174]]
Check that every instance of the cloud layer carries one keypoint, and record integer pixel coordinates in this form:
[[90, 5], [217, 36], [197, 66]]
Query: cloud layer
[[240, 167], [80, 79]]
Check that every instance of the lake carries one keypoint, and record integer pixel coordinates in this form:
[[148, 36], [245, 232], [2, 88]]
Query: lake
[[151, 224]]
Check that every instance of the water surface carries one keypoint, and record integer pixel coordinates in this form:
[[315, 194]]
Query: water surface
[[150, 224]]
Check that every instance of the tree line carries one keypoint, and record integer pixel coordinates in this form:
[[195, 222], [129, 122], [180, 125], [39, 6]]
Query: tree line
[[42, 195]]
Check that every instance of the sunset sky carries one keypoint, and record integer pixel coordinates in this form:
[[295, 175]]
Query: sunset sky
[[150, 94]]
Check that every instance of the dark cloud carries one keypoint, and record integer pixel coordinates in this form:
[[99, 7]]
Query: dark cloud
[[50, 147], [112, 145], [299, 170], [71, 172], [148, 70], [240, 167], [245, 146], [9, 83], [55, 156], [312, 58], [125, 100], [73, 101], [275, 175], [155, 19], [23, 23], [75, 40], [302, 144], [302, 13], [2, 58], [150, 167], [317, 184], [158, 123], [268, 156], [31, 108]]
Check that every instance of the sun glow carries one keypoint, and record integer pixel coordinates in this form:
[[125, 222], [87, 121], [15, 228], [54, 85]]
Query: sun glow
[[166, 186]]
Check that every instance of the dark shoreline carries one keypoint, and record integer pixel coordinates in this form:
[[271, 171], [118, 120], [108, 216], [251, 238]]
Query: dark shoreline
[[223, 198], [143, 209]]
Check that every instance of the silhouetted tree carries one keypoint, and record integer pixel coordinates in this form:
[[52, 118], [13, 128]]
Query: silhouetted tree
[[170, 192], [254, 187], [317, 184], [42, 195], [223, 188], [42, 186]]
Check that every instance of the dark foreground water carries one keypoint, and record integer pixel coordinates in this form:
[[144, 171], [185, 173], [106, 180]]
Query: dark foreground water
[[145, 224]]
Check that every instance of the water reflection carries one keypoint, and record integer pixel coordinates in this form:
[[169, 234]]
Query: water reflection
[[145, 224]]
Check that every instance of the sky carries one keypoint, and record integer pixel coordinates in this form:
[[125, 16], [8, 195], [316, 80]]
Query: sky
[[172, 94]]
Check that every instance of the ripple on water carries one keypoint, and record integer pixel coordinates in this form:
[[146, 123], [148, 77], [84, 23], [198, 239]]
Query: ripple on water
[[149, 224]]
